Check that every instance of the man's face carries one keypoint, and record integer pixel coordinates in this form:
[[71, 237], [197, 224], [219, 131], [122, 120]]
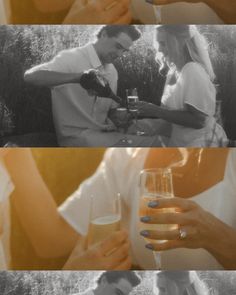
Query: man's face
[[114, 47], [121, 287]]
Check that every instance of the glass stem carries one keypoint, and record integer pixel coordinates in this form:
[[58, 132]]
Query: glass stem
[[157, 257]]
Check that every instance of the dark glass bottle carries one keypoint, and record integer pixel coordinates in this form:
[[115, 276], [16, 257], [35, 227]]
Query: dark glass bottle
[[92, 80]]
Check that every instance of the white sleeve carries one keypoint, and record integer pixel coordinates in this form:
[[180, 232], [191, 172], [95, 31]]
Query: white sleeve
[[102, 186], [63, 62], [198, 91]]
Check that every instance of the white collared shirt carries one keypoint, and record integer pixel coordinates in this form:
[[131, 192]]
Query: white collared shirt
[[73, 109]]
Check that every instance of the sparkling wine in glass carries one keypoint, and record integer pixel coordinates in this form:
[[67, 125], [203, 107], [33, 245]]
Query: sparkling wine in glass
[[132, 101], [104, 220], [155, 184]]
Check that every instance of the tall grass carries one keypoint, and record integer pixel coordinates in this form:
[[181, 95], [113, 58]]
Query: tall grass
[[22, 47]]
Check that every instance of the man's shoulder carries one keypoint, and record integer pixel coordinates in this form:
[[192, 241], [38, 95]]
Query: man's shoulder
[[73, 52]]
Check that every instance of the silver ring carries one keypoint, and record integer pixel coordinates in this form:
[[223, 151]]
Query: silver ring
[[182, 234]]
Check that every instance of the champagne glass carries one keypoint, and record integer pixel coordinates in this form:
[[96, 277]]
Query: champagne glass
[[132, 102], [155, 184], [123, 124], [157, 11], [104, 219]]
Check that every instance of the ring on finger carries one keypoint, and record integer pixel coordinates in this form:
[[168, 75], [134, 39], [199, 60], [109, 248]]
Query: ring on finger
[[182, 234], [110, 6]]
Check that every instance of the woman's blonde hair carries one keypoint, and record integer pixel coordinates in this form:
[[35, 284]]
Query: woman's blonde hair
[[184, 42], [175, 280]]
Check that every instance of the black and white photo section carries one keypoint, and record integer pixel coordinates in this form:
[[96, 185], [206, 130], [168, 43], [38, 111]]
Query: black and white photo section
[[93, 86], [118, 282]]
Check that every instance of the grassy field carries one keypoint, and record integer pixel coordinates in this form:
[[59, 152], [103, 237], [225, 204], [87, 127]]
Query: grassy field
[[21, 47], [66, 283]]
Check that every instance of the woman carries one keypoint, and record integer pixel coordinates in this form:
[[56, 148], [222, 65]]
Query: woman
[[189, 98], [20, 180], [179, 283], [69, 11], [204, 181]]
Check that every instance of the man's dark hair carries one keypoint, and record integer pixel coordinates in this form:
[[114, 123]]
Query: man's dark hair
[[114, 30], [115, 276]]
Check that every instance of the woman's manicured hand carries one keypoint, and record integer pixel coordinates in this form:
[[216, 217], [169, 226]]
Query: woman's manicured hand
[[147, 109], [110, 254], [199, 229]]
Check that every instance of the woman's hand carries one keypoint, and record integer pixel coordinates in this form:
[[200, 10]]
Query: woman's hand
[[110, 254], [147, 109], [196, 229], [100, 12]]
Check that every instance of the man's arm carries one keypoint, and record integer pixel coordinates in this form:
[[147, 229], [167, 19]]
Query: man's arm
[[50, 78]]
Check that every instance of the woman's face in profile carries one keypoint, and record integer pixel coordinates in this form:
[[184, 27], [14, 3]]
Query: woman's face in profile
[[162, 44]]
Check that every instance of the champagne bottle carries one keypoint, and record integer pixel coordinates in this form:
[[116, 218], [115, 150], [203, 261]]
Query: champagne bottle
[[93, 80]]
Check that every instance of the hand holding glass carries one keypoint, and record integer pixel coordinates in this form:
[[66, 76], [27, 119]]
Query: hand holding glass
[[155, 184], [104, 219]]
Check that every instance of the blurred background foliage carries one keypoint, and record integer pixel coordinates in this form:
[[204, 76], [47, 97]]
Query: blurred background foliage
[[29, 108], [68, 282]]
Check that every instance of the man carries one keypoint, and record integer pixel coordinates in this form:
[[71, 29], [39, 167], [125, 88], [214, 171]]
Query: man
[[190, 11], [115, 282], [75, 111]]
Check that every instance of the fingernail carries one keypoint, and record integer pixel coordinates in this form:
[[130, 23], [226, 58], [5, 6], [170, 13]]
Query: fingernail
[[149, 246], [153, 204], [144, 233], [149, 1], [145, 218]]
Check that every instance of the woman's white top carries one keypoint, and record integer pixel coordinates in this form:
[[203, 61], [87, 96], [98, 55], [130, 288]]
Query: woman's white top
[[6, 188], [194, 88], [178, 13], [119, 173]]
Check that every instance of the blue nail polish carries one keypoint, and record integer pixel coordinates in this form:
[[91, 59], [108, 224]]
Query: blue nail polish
[[153, 204], [149, 1], [145, 218], [144, 233], [149, 246]]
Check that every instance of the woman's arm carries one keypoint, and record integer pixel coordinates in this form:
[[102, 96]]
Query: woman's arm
[[50, 235], [190, 117], [226, 9], [48, 6]]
